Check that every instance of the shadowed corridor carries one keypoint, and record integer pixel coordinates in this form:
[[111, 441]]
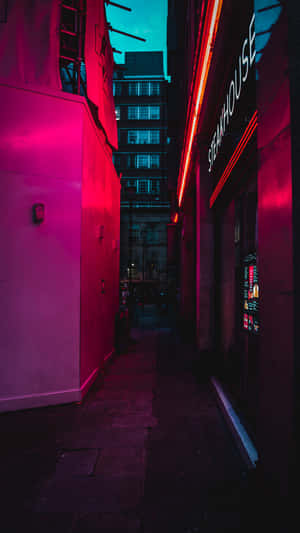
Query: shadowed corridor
[[147, 451]]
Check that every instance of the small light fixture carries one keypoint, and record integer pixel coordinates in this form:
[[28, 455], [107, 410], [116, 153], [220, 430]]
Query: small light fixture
[[38, 213]]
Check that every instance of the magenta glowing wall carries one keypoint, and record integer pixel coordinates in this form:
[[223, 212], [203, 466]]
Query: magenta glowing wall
[[50, 152], [100, 254], [275, 251]]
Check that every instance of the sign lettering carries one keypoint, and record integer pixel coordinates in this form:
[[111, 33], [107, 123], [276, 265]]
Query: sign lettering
[[245, 62]]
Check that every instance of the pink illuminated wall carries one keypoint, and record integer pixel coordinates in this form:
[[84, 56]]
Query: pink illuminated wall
[[40, 265], [275, 261], [100, 251], [56, 326]]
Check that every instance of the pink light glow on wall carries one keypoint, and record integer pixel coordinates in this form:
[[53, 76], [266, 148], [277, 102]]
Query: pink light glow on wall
[[278, 198], [57, 324]]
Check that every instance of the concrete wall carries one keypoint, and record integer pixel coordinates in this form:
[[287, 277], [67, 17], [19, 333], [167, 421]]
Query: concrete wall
[[57, 317], [276, 357], [187, 267], [99, 256], [227, 279], [204, 259], [41, 161]]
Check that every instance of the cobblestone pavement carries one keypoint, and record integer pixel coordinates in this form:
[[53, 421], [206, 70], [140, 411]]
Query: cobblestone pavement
[[147, 451]]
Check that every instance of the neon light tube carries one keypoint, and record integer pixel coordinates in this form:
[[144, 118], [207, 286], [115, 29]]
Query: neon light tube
[[229, 169], [248, 133], [236, 153], [231, 165], [235, 158], [241, 148], [209, 33]]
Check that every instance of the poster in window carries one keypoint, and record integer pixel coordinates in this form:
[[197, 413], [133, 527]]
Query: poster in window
[[250, 295]]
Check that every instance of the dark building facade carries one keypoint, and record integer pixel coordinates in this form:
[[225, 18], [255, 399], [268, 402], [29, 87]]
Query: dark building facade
[[235, 195], [140, 97]]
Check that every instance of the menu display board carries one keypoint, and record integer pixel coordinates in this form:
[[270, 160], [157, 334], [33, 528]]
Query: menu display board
[[250, 295]]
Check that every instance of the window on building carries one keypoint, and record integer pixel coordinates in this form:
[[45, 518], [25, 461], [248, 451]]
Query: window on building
[[133, 88], [155, 186], [154, 112], [133, 112], [131, 183], [154, 136], [142, 161], [147, 160], [144, 112], [135, 233], [143, 136], [118, 112], [154, 160], [117, 160], [132, 137], [154, 88], [117, 88], [150, 233], [130, 161], [144, 88], [143, 186]]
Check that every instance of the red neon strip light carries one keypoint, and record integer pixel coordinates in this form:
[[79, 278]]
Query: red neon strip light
[[240, 147], [234, 158], [209, 33], [252, 122], [231, 164]]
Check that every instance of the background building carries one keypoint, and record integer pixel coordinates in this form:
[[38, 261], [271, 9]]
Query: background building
[[140, 99]]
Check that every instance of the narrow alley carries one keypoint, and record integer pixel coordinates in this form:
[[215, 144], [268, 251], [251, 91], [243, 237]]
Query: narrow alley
[[147, 451], [150, 251]]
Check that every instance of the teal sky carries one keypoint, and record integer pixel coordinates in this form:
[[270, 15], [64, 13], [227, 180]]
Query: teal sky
[[148, 19]]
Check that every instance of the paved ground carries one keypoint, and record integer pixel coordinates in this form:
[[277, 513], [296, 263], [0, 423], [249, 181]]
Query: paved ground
[[148, 451]]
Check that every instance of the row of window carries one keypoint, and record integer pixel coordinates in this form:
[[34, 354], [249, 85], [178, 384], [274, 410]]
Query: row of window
[[136, 160], [143, 186], [143, 136], [136, 88], [145, 234], [138, 112]]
